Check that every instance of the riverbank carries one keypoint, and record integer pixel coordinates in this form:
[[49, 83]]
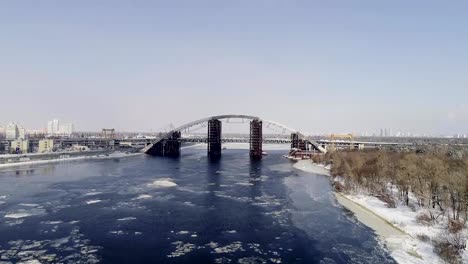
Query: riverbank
[[396, 227], [65, 158]]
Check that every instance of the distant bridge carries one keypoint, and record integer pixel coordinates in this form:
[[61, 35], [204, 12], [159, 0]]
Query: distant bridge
[[235, 140], [169, 143]]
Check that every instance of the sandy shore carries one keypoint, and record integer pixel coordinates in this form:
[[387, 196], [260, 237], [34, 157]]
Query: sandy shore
[[402, 247]]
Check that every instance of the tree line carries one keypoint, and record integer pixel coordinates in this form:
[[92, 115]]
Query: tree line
[[432, 180]]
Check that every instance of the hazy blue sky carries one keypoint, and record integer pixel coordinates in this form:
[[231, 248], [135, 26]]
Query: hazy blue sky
[[319, 66]]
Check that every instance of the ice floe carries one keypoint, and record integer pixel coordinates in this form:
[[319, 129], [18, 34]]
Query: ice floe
[[117, 232], [130, 218], [93, 201], [143, 196], [28, 205], [91, 193], [181, 249], [52, 222], [166, 182], [18, 215], [231, 248], [77, 250], [244, 183]]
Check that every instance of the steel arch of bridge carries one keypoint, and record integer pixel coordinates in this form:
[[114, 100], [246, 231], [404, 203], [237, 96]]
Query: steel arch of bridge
[[249, 117]]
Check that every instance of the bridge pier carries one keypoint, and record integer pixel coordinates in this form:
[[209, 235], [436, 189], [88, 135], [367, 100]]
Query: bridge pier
[[298, 143], [214, 138], [256, 139], [169, 147]]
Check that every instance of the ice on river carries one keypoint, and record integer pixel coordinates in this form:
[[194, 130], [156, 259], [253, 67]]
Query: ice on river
[[165, 182], [93, 201]]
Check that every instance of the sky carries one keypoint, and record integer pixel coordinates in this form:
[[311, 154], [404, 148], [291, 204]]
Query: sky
[[317, 66]]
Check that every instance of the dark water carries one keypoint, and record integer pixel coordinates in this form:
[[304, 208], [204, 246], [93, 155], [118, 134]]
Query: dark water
[[229, 211]]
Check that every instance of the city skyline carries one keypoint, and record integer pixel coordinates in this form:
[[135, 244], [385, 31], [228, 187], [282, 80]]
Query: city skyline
[[315, 66]]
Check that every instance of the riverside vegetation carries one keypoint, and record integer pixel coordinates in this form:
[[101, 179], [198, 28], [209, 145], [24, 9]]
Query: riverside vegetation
[[434, 184]]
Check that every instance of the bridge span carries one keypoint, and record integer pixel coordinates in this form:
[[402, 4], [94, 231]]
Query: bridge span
[[169, 143]]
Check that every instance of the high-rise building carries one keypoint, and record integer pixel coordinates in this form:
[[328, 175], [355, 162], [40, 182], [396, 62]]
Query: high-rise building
[[11, 131], [55, 128], [66, 129], [21, 132], [50, 128]]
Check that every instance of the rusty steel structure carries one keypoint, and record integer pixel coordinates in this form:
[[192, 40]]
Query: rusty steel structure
[[214, 138], [298, 143], [168, 147], [256, 139], [108, 133]]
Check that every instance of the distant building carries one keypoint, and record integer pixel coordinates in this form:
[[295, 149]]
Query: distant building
[[19, 146], [21, 132], [66, 129], [80, 148], [46, 145], [15, 131], [54, 128]]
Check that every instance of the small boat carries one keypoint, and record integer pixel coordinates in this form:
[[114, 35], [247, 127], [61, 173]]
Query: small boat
[[264, 153], [224, 148]]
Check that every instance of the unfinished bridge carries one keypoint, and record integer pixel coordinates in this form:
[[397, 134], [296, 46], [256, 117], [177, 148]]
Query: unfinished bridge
[[169, 143]]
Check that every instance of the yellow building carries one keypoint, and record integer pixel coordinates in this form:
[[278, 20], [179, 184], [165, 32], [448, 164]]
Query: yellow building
[[19, 146], [46, 145]]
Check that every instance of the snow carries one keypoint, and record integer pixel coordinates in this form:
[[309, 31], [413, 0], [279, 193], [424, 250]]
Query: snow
[[396, 227], [37, 162], [308, 166]]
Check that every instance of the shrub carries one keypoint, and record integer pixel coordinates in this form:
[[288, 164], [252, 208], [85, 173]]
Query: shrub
[[388, 199], [423, 237], [424, 219], [455, 226], [447, 251], [338, 186]]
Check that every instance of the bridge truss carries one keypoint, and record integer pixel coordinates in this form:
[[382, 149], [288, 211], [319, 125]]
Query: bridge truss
[[158, 146]]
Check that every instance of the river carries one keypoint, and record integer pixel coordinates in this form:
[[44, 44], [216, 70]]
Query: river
[[146, 209]]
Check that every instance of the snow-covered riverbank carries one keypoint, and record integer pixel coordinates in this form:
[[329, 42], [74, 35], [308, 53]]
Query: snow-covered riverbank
[[396, 227], [37, 162]]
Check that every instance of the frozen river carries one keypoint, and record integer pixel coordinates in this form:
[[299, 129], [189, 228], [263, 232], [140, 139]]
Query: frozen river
[[190, 210]]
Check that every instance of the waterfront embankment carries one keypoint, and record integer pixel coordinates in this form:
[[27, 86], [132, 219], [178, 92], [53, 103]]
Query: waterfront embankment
[[12, 160]]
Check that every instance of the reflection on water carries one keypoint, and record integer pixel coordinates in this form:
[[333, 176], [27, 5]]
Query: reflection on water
[[230, 210]]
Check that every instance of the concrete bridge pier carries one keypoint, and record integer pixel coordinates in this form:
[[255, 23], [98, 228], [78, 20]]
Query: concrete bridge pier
[[169, 147], [214, 138], [256, 139]]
